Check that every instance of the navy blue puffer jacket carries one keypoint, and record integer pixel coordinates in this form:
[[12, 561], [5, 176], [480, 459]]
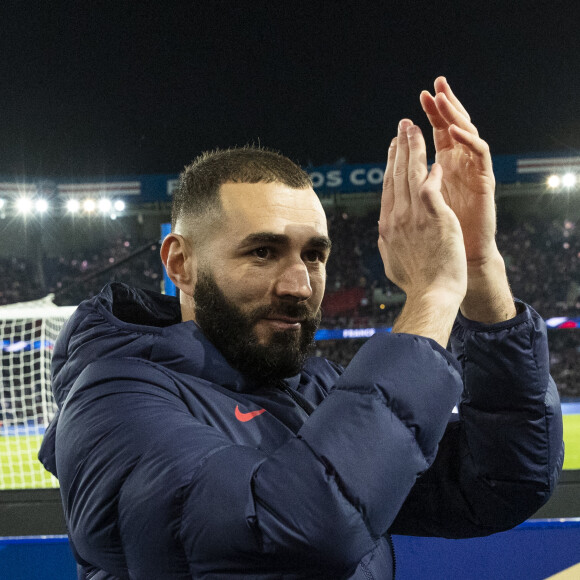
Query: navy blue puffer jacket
[[173, 465]]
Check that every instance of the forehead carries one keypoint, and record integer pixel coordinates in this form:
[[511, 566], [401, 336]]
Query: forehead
[[273, 207]]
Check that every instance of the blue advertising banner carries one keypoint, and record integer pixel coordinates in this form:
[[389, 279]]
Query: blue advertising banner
[[327, 179]]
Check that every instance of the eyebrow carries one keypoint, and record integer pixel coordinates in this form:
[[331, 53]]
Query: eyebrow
[[319, 242]]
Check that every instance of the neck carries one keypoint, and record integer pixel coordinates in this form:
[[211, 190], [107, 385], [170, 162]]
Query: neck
[[187, 307]]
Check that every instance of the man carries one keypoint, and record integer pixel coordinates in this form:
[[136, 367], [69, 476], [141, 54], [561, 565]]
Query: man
[[196, 440]]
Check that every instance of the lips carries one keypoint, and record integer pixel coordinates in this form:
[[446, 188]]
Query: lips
[[287, 319], [284, 322]]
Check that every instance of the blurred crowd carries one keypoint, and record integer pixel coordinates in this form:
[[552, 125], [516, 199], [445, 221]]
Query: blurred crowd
[[79, 277], [564, 358], [542, 260]]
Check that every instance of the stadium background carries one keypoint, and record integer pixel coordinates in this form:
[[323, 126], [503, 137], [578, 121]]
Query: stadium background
[[69, 238], [47, 248]]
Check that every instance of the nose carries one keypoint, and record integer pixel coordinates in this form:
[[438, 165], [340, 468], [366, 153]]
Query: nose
[[294, 281]]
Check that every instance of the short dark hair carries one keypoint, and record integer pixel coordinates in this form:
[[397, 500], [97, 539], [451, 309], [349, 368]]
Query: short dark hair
[[198, 191]]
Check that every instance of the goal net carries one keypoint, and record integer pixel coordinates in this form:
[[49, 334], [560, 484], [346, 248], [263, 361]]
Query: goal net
[[28, 331]]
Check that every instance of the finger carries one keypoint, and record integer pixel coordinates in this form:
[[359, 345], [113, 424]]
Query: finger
[[440, 126], [388, 197], [431, 110], [417, 172], [476, 145], [430, 192], [400, 180], [442, 86], [452, 115]]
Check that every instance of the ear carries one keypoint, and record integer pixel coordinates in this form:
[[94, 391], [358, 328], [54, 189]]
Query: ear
[[180, 262]]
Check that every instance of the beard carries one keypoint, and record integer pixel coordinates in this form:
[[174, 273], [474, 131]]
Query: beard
[[233, 333]]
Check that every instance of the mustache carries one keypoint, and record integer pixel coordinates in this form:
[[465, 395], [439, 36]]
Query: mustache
[[301, 311]]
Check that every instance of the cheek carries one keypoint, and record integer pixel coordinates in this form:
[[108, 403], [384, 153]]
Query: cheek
[[246, 288], [318, 284]]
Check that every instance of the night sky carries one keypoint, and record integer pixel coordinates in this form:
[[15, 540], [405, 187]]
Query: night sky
[[117, 88]]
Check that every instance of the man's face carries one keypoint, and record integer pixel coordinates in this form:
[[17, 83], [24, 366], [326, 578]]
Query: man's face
[[261, 277]]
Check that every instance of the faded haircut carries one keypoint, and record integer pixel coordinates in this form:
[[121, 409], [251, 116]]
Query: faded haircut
[[197, 195]]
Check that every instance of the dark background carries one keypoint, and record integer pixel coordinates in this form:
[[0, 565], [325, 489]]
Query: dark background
[[105, 88]]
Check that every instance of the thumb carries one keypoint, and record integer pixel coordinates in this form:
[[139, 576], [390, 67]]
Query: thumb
[[430, 192]]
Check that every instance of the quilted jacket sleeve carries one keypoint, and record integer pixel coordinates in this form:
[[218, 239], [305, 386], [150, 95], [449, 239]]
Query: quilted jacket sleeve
[[149, 488], [499, 463]]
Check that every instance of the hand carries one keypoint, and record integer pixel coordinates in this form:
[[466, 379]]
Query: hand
[[468, 181], [420, 239], [468, 187]]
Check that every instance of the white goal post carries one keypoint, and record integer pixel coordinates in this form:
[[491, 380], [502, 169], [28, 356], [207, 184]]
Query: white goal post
[[28, 331]]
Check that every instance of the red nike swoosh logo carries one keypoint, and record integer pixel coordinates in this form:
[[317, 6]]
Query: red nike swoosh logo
[[244, 417]]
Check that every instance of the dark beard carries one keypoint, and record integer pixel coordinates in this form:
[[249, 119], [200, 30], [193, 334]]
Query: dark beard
[[232, 332]]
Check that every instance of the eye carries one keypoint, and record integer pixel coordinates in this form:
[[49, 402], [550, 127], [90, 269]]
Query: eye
[[262, 253], [314, 256]]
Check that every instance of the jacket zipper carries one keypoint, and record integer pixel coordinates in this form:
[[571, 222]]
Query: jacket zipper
[[308, 409]]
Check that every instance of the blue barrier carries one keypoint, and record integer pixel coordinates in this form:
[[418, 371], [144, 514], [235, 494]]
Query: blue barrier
[[37, 557], [534, 550]]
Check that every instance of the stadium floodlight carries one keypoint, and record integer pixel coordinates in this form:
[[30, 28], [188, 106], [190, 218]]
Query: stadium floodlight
[[73, 205], [2, 203], [119, 205], [41, 205], [104, 205], [24, 205], [569, 180], [89, 205], [554, 181]]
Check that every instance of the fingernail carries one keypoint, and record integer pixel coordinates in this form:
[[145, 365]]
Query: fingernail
[[412, 130], [404, 123], [393, 142]]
